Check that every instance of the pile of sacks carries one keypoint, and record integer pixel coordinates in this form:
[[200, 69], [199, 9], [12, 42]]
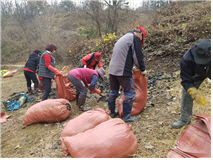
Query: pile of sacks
[[94, 134]]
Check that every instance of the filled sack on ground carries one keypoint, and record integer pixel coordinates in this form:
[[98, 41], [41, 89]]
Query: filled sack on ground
[[195, 141], [9, 74], [110, 139], [140, 86], [63, 87], [83, 122], [50, 110]]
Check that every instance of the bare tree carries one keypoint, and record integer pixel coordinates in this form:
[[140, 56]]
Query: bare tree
[[94, 9], [115, 14]]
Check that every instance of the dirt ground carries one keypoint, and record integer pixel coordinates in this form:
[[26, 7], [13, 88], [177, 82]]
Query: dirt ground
[[153, 129]]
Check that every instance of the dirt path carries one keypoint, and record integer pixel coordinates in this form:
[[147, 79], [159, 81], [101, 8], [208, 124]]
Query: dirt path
[[152, 130]]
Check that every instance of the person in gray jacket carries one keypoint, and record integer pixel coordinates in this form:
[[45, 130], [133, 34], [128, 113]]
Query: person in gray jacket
[[126, 52]]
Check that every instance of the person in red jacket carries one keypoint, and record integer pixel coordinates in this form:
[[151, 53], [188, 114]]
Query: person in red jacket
[[47, 69], [91, 61]]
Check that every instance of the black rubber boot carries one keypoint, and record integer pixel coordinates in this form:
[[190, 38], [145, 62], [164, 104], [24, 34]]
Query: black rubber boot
[[29, 90], [35, 92], [127, 108], [180, 123], [111, 106], [81, 102]]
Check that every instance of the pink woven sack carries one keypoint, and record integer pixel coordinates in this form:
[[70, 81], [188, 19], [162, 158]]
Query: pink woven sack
[[140, 86], [195, 141], [110, 139], [83, 122], [50, 110]]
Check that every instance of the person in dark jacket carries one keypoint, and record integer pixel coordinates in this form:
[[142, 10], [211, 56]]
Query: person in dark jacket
[[47, 69], [195, 67], [30, 69], [83, 78], [91, 61], [126, 52]]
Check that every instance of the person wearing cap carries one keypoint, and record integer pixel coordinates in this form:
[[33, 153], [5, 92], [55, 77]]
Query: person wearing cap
[[126, 52], [91, 61], [83, 78], [47, 69], [30, 69], [195, 67]]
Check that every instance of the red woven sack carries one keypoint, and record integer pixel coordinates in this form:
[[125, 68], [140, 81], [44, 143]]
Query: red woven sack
[[140, 86], [50, 110], [110, 139], [83, 122], [195, 141], [63, 87]]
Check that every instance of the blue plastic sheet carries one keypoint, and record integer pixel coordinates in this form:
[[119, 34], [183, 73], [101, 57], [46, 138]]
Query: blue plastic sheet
[[13, 105]]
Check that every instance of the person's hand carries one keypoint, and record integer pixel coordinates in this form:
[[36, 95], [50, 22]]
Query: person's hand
[[95, 91], [85, 66], [57, 73], [197, 96], [143, 72]]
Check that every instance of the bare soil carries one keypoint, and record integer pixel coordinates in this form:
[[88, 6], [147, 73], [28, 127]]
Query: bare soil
[[153, 129]]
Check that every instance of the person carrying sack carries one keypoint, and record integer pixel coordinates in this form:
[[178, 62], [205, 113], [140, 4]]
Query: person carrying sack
[[91, 61], [126, 52], [30, 69], [83, 78], [195, 67]]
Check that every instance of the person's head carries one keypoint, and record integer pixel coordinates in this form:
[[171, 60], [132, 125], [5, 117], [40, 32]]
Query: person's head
[[101, 72], [202, 53], [97, 56], [141, 33], [37, 52], [51, 48]]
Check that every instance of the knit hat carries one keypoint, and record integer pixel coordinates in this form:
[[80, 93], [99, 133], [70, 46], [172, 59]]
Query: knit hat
[[202, 53], [97, 55], [101, 72], [144, 34]]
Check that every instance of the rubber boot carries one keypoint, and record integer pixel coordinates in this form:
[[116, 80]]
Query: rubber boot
[[29, 90], [43, 99], [81, 102], [180, 123], [35, 92], [127, 108], [77, 95], [111, 106]]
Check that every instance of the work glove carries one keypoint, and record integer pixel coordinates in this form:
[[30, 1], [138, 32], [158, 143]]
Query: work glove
[[54, 70], [197, 96], [96, 91], [143, 72]]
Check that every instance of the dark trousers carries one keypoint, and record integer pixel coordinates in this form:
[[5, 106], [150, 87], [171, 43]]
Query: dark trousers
[[80, 87], [47, 87], [31, 76], [126, 83]]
